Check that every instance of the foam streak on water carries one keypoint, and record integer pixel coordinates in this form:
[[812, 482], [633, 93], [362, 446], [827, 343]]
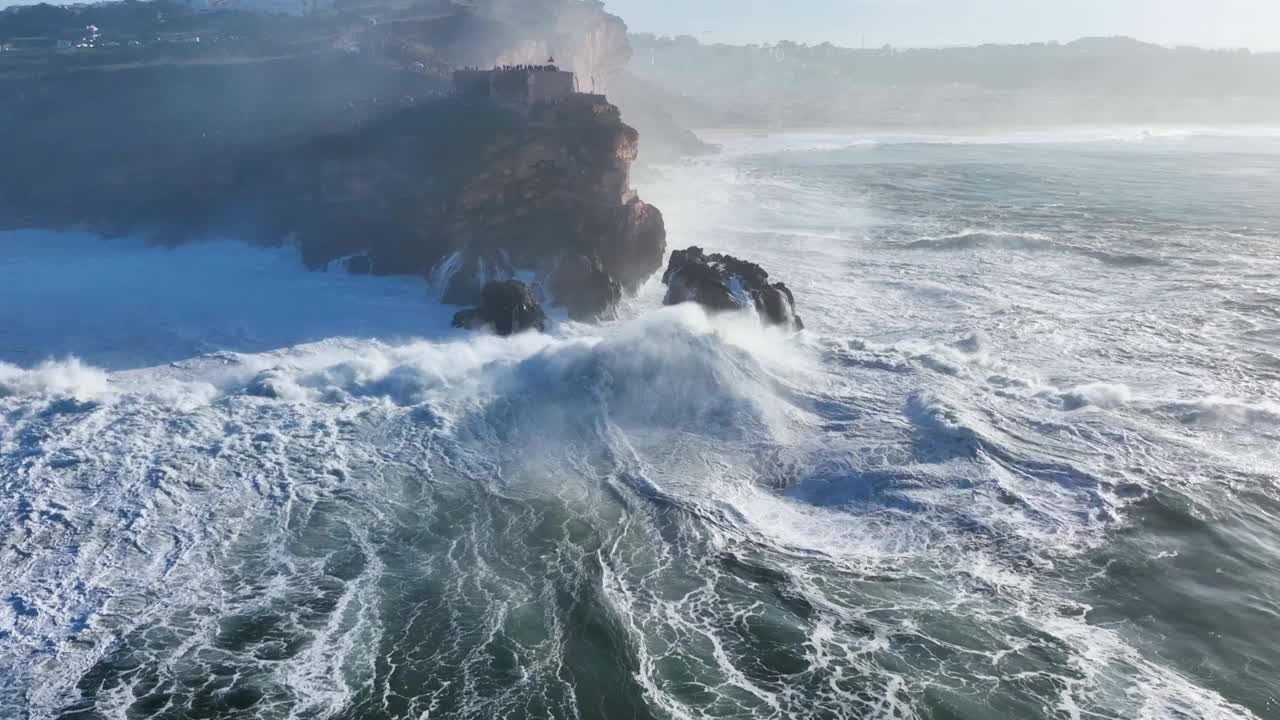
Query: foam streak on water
[[1022, 465]]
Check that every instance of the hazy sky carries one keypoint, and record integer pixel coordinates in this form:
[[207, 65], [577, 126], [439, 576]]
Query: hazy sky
[[1217, 23]]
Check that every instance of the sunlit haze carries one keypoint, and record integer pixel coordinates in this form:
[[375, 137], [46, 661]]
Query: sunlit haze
[[644, 359], [1214, 23]]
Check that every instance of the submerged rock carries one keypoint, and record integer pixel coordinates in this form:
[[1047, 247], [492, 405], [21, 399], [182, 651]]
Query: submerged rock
[[508, 307], [722, 282]]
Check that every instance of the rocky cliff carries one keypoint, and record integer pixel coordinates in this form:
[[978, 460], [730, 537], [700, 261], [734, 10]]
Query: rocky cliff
[[338, 133], [467, 194]]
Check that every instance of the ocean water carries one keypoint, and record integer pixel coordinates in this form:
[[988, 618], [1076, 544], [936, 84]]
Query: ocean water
[[1023, 464]]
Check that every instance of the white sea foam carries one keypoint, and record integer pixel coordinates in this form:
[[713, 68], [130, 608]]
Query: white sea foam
[[1226, 412], [310, 479], [738, 143], [973, 239], [69, 378], [1102, 395]]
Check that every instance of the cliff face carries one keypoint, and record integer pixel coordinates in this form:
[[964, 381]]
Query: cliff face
[[467, 194], [337, 133]]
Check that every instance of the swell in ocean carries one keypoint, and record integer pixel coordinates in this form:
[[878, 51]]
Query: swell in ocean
[[1022, 464]]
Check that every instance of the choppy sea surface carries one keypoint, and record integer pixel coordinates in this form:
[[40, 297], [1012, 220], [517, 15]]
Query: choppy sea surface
[[1023, 464]]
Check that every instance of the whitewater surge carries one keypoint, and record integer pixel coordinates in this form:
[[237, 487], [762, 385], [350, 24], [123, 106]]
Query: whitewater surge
[[1002, 475]]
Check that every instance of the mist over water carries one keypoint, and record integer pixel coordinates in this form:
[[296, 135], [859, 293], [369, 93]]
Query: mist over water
[[1022, 464]]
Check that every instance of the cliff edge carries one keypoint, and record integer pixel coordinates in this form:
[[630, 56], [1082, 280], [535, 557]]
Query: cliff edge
[[339, 132], [467, 193]]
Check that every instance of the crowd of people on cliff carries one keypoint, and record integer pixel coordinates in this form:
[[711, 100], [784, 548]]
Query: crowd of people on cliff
[[549, 66]]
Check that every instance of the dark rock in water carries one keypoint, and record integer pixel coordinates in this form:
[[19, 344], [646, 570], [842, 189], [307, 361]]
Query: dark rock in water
[[697, 282], [583, 286], [777, 306], [722, 282], [509, 307]]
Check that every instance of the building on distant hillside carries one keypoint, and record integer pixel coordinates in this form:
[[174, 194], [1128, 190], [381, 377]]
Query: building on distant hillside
[[517, 87], [266, 7]]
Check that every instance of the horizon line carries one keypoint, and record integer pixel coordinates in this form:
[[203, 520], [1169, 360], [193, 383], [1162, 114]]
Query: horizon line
[[869, 46]]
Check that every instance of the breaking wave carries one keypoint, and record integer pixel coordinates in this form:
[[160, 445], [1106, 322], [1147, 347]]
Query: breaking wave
[[973, 239], [984, 484]]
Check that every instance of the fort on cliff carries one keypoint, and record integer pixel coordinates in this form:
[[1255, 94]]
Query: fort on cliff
[[519, 87]]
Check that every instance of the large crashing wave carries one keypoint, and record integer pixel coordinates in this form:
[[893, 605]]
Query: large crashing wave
[[262, 493]]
